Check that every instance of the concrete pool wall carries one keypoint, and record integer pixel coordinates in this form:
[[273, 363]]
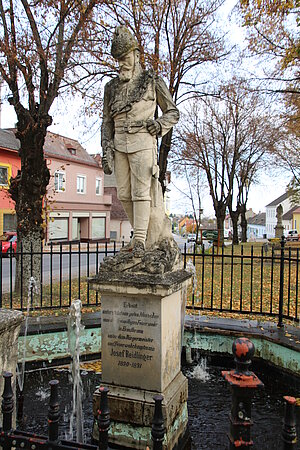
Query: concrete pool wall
[[47, 341]]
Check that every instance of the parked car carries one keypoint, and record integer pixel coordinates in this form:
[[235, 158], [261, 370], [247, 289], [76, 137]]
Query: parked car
[[191, 237], [8, 242], [292, 235]]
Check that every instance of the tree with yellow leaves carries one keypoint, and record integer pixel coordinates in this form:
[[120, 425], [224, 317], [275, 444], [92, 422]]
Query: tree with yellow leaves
[[43, 48], [273, 30]]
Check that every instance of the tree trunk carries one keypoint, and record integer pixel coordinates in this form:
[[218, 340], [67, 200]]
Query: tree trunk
[[234, 215], [220, 215], [244, 223], [28, 189]]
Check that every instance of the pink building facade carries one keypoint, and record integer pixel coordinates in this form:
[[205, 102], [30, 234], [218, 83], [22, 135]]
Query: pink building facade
[[9, 165], [76, 207]]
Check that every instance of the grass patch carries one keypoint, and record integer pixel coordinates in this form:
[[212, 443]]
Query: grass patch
[[56, 298], [245, 279]]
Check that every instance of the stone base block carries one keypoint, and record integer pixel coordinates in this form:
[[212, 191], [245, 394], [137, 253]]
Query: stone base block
[[10, 324], [132, 410], [279, 231]]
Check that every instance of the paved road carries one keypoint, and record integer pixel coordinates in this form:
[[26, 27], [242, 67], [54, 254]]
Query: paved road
[[189, 245], [180, 241], [63, 266]]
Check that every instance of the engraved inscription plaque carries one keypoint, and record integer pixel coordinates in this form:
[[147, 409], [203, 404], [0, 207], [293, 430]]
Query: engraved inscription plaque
[[131, 336], [133, 341]]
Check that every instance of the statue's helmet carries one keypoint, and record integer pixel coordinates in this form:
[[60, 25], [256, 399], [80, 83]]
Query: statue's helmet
[[123, 42]]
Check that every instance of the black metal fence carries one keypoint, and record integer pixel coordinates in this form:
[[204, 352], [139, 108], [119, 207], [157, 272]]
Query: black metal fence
[[20, 440], [249, 280], [64, 271]]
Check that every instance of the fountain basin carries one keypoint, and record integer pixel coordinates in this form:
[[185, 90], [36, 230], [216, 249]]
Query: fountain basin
[[209, 403], [277, 363], [47, 342], [277, 358]]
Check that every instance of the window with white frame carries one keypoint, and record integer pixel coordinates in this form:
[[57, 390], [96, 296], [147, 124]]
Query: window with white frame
[[81, 184], [3, 176], [98, 186], [59, 181]]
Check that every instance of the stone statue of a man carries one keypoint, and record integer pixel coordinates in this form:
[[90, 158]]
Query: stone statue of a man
[[129, 132], [279, 212]]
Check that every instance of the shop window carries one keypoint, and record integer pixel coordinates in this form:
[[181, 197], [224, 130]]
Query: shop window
[[98, 228], [113, 236], [58, 229]]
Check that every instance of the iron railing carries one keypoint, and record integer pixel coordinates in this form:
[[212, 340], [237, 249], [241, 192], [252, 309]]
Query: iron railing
[[248, 280], [64, 273], [20, 440]]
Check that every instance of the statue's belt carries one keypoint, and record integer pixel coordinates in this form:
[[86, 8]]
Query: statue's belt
[[131, 127]]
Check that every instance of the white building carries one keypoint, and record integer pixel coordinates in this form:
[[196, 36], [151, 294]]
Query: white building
[[256, 226]]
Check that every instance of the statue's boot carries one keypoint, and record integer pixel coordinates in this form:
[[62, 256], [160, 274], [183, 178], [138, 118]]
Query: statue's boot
[[128, 206], [141, 213]]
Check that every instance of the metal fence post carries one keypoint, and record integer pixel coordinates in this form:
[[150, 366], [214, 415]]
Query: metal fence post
[[53, 413], [281, 282], [289, 432], [103, 419], [7, 402], [184, 256], [158, 429], [243, 383]]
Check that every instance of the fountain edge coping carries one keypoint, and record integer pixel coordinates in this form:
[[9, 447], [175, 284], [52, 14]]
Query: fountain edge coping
[[10, 319], [276, 348], [288, 336]]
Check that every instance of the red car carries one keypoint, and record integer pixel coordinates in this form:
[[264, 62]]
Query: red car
[[8, 242]]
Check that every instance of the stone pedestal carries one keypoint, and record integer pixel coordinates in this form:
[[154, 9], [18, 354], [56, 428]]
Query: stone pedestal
[[279, 231], [279, 227], [141, 332]]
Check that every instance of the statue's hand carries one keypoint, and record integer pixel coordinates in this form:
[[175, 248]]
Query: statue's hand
[[153, 127], [105, 166], [108, 160]]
